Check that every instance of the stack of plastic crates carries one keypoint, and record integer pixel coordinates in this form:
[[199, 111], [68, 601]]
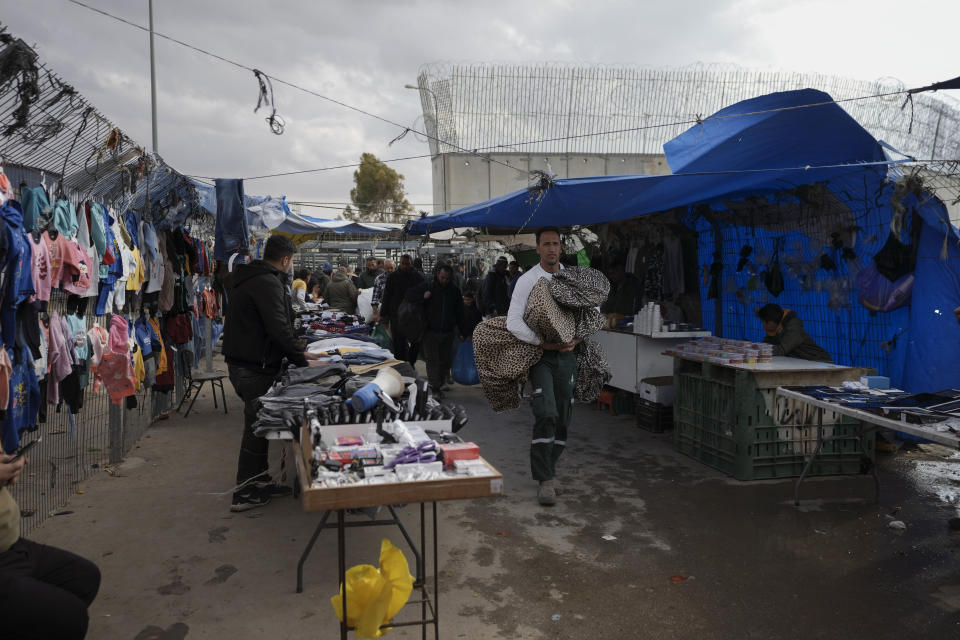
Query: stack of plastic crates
[[732, 420]]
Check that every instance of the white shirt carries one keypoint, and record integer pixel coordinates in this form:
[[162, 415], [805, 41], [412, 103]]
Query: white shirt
[[518, 304]]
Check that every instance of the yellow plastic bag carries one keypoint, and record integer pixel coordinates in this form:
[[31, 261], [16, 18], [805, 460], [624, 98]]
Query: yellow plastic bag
[[375, 596]]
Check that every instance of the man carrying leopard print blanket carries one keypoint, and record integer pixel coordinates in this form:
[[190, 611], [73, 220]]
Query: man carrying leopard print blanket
[[554, 375]]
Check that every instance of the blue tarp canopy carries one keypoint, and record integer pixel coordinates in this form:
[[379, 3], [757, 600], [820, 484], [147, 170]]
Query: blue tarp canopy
[[763, 145], [275, 215], [790, 175], [306, 225]]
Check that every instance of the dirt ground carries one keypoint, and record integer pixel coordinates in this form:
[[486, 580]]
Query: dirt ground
[[644, 543]]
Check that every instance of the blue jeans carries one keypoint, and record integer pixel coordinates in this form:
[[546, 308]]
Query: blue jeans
[[231, 231]]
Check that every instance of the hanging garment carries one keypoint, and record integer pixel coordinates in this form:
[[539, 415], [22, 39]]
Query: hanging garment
[[17, 269], [119, 335], [93, 260], [96, 214], [169, 279], [79, 342], [143, 333], [40, 364], [57, 247], [65, 218], [116, 372], [673, 281], [653, 282], [75, 272], [139, 369], [135, 275], [165, 379], [132, 224], [231, 231], [153, 257], [98, 343], [40, 268], [35, 206], [162, 361], [59, 357], [6, 369], [24, 400]]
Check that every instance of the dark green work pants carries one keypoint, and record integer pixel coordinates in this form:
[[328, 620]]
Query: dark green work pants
[[552, 380]]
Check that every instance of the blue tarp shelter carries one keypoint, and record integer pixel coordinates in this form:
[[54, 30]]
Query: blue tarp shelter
[[793, 176], [275, 215]]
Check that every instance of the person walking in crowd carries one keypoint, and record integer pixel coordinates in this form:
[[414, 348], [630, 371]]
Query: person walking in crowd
[[258, 340], [471, 314], [552, 378], [342, 293], [378, 286], [495, 293], [513, 273], [44, 591], [785, 332], [418, 266], [395, 290], [323, 280], [443, 316], [369, 275], [351, 274]]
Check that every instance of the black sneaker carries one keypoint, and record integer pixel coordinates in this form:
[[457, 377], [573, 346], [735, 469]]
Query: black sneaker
[[249, 500], [272, 489]]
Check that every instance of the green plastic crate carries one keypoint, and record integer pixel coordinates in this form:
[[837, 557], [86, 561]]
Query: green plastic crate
[[722, 417]]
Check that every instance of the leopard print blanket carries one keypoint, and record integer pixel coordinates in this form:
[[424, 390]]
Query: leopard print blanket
[[558, 310]]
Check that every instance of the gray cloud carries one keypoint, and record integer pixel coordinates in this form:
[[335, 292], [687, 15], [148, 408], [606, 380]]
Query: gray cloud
[[363, 52]]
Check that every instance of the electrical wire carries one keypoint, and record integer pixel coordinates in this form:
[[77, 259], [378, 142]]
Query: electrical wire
[[286, 82], [695, 121]]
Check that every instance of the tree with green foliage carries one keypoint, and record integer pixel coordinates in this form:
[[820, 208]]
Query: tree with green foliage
[[378, 194]]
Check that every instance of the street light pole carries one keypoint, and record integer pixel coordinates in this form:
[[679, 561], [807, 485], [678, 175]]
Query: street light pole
[[153, 81], [443, 160]]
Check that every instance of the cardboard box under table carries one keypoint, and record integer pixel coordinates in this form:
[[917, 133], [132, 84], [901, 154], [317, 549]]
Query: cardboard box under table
[[338, 499]]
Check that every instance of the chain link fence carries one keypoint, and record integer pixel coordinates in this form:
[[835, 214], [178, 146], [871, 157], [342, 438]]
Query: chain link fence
[[77, 446]]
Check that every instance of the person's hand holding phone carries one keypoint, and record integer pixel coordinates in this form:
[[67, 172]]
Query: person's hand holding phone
[[10, 468]]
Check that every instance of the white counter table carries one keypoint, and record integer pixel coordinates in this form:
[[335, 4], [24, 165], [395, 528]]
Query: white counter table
[[633, 356]]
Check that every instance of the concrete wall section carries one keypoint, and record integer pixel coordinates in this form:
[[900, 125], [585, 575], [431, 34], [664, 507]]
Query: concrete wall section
[[462, 179]]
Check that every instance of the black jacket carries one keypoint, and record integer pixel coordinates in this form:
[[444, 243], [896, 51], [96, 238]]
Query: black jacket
[[398, 283], [794, 342], [495, 294], [471, 318], [443, 310], [258, 329]]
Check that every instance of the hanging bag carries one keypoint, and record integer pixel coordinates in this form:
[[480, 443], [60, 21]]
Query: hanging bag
[[878, 294]]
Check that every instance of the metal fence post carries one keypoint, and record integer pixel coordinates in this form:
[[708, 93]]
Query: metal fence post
[[116, 433]]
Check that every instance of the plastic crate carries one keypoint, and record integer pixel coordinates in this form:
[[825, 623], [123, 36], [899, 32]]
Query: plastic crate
[[653, 416], [732, 420], [623, 403]]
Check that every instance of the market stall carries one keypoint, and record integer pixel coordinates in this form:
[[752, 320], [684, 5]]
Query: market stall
[[769, 202], [635, 356], [366, 432], [933, 417], [726, 413]]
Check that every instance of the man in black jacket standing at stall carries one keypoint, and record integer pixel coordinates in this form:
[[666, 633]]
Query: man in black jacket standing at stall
[[443, 315], [258, 340]]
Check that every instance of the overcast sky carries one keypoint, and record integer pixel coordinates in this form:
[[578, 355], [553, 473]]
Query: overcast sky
[[362, 52]]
